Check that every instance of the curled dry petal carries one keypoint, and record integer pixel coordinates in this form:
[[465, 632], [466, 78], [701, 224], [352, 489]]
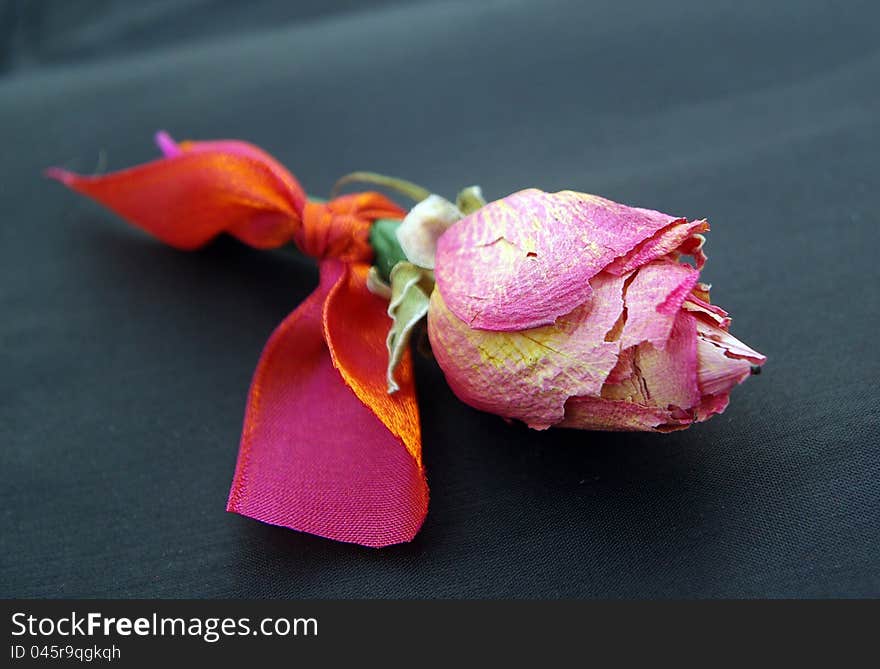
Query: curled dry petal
[[653, 299]]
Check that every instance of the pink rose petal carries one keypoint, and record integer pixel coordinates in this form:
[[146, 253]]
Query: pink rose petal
[[596, 413], [530, 374], [679, 236], [662, 378], [717, 372], [710, 405], [653, 300], [711, 312], [523, 261], [624, 368], [731, 346], [724, 361], [670, 374]]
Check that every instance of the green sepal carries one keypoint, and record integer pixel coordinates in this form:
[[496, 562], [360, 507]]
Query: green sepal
[[411, 288], [470, 199], [383, 239]]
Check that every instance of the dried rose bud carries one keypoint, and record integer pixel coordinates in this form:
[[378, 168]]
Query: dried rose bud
[[567, 309]]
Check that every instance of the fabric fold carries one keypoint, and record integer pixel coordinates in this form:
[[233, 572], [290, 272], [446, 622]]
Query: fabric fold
[[319, 453]]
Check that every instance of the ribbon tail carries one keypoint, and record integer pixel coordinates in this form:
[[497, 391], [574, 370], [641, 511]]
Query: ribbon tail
[[191, 196], [320, 452]]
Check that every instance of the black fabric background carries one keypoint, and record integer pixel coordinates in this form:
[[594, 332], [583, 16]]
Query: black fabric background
[[124, 365]]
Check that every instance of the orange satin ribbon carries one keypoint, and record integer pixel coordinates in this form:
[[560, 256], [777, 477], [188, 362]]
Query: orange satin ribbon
[[324, 449]]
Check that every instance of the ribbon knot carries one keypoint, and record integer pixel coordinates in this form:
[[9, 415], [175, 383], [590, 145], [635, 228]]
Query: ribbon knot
[[337, 229]]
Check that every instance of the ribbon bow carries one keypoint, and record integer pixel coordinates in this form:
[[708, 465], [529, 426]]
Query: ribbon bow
[[324, 448]]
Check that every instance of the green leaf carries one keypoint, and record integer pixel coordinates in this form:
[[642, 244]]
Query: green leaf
[[383, 239], [410, 290]]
